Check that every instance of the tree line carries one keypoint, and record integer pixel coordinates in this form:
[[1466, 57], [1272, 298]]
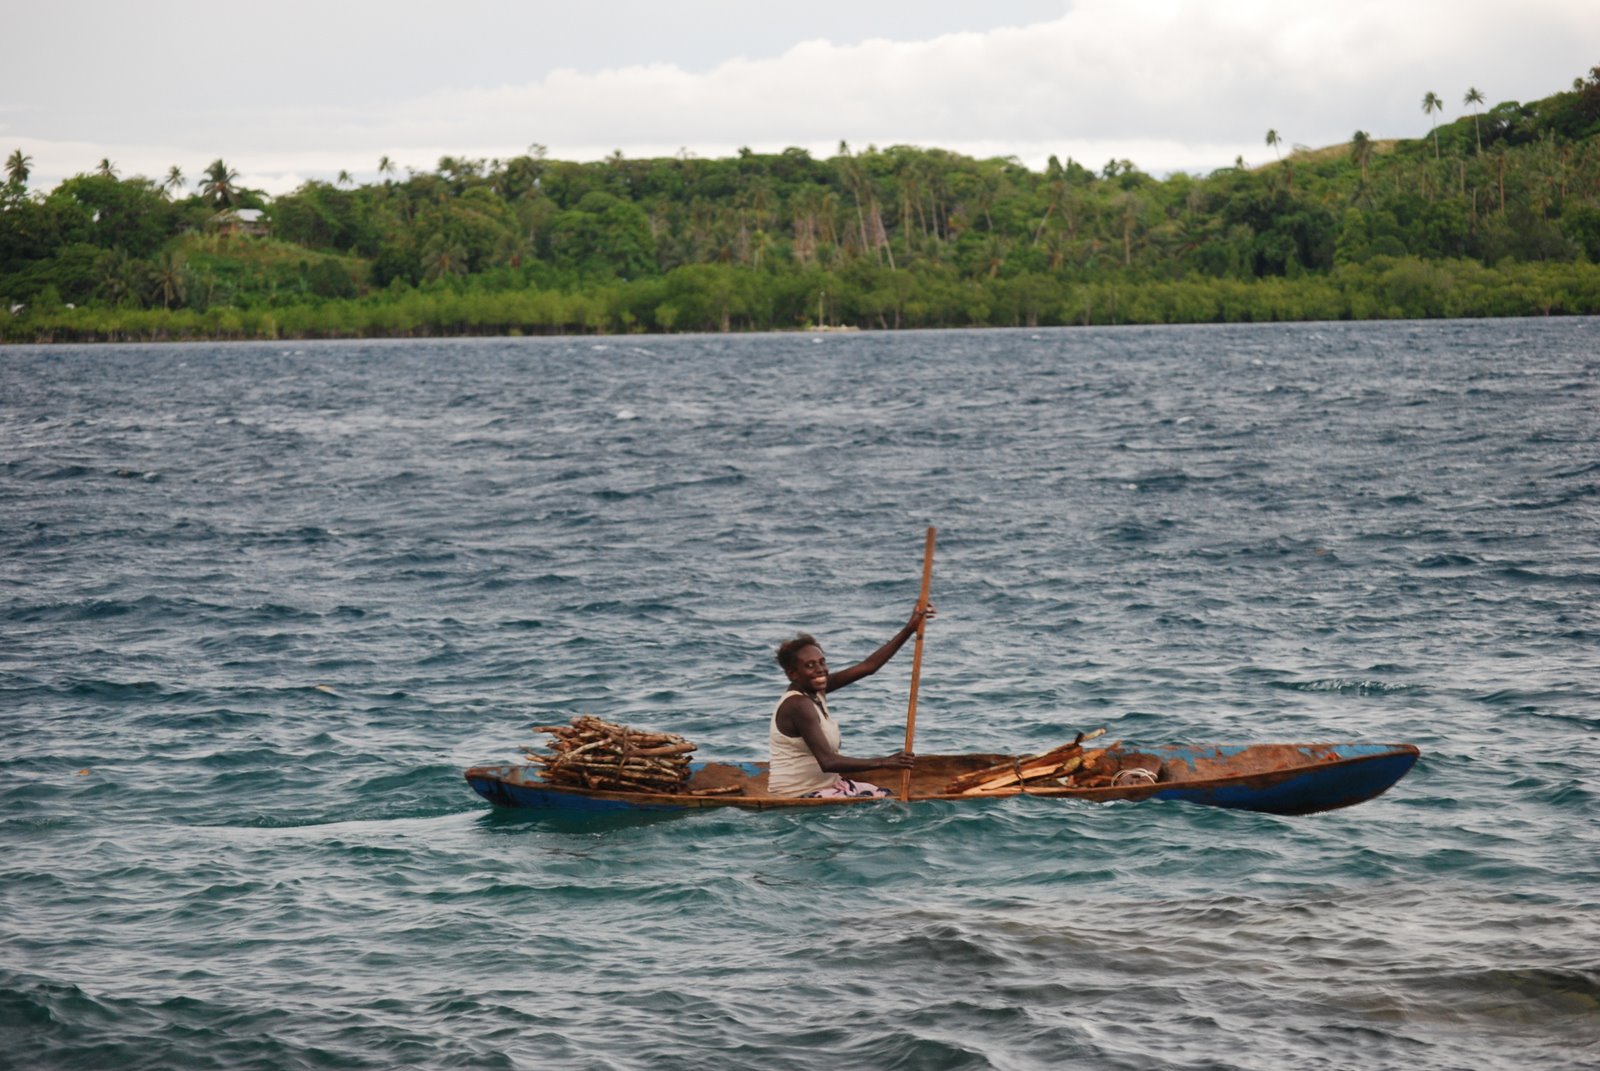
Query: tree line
[[1496, 213]]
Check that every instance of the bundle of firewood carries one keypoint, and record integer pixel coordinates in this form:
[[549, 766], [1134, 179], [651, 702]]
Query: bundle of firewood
[[1068, 766], [591, 753]]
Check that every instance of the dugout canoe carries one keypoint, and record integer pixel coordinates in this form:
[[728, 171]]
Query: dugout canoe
[[1275, 778]]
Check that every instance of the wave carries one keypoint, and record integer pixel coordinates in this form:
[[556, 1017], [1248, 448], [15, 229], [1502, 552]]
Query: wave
[[1347, 686], [1447, 561], [1529, 994]]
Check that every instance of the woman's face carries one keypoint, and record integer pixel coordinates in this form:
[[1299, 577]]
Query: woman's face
[[810, 672]]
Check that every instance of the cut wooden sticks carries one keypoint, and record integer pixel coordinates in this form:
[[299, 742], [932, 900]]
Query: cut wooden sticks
[[1025, 770], [596, 754]]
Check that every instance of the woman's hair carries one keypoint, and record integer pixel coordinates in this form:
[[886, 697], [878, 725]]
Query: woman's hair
[[789, 649]]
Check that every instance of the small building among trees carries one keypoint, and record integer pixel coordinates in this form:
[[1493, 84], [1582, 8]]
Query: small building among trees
[[251, 222]]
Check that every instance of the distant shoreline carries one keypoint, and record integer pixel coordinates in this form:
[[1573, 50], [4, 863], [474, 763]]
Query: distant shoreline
[[751, 332]]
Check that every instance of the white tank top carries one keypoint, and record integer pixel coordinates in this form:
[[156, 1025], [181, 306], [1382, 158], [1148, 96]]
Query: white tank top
[[794, 770]]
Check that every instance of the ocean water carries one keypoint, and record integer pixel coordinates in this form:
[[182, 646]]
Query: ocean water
[[262, 604]]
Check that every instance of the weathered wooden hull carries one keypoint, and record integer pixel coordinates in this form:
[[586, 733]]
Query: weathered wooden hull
[[1275, 778]]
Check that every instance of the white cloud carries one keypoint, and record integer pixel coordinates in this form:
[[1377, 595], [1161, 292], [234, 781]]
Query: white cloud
[[1177, 79]]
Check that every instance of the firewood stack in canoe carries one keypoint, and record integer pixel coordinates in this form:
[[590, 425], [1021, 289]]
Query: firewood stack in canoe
[[1068, 766], [592, 753]]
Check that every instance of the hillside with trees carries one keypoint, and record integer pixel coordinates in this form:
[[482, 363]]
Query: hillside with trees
[[1494, 214]]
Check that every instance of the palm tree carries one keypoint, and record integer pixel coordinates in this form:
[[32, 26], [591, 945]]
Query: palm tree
[[1272, 142], [107, 168], [1474, 97], [169, 279], [1430, 104], [344, 178], [119, 277], [220, 185], [1500, 172], [174, 179], [385, 166], [448, 167], [444, 258], [18, 167], [1132, 205], [1361, 151]]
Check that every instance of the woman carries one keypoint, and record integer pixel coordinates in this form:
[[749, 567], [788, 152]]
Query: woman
[[806, 760]]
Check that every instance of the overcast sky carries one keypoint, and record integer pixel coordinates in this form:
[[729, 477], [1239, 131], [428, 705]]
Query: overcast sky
[[297, 89]]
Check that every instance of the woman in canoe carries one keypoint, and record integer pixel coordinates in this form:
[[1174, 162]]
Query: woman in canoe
[[805, 738]]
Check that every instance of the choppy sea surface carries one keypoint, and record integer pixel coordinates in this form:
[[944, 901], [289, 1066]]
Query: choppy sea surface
[[262, 604]]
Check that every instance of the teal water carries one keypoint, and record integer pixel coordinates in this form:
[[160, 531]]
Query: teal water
[[262, 604]]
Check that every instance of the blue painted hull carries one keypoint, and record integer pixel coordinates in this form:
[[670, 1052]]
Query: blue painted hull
[[1274, 778], [1362, 772]]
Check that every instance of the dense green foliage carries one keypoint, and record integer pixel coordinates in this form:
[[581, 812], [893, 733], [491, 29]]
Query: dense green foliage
[[1495, 214]]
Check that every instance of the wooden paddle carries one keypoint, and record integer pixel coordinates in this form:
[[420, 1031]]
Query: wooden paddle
[[916, 657]]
